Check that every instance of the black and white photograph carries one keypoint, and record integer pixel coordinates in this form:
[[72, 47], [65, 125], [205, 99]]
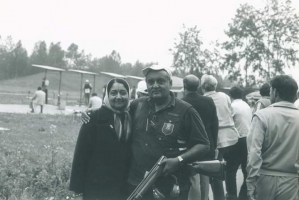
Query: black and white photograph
[[149, 100]]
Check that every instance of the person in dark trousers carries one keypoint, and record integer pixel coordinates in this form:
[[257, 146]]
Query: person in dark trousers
[[242, 116], [45, 85], [228, 135], [87, 91], [206, 109], [100, 164]]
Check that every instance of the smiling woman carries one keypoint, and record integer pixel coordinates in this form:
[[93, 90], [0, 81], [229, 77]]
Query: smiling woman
[[99, 168]]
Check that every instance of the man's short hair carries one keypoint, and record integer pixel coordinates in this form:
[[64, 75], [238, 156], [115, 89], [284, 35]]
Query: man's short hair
[[191, 83], [285, 86], [208, 82], [265, 89], [39, 88], [236, 92], [94, 94]]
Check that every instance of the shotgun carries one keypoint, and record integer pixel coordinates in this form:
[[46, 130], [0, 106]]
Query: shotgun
[[148, 180], [211, 168]]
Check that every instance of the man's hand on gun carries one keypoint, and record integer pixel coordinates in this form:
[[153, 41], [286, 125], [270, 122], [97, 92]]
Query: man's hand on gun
[[170, 165]]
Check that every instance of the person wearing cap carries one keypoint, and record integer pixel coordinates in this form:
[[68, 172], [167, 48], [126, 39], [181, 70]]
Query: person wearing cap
[[141, 89], [272, 142], [87, 91], [164, 125]]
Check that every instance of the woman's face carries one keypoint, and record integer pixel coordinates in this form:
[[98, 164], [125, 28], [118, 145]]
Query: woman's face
[[118, 96]]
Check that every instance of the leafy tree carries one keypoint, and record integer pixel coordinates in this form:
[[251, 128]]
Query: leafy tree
[[189, 56], [262, 41], [40, 53], [56, 56], [75, 59], [19, 63], [187, 52]]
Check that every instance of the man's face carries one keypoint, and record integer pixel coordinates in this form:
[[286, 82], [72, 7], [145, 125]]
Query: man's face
[[158, 84]]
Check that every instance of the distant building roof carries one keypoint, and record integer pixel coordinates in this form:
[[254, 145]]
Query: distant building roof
[[48, 67], [135, 77], [113, 75], [82, 72]]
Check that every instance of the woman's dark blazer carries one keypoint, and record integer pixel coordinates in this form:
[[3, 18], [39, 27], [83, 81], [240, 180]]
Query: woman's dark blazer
[[100, 163]]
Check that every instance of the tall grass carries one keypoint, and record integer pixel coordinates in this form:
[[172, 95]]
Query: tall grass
[[36, 155]]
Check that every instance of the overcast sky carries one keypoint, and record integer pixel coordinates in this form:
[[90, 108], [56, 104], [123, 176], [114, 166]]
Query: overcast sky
[[138, 29]]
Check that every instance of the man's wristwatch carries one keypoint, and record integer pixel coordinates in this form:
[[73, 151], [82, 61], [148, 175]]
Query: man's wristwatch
[[180, 159]]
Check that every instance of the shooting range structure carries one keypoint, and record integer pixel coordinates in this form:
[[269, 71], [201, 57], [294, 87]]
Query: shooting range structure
[[52, 69], [84, 72]]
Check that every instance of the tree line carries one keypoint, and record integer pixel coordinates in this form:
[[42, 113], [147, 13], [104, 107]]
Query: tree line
[[15, 61], [260, 43]]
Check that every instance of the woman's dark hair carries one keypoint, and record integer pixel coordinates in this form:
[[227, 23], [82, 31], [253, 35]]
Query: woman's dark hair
[[118, 80], [236, 92], [265, 90], [285, 86]]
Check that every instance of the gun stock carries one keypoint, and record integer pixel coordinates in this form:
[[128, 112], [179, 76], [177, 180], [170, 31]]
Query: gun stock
[[148, 180], [213, 168]]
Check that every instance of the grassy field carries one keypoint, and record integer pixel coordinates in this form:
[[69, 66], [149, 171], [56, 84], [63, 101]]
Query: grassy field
[[36, 155]]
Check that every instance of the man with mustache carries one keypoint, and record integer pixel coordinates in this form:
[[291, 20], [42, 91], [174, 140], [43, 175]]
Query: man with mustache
[[165, 125]]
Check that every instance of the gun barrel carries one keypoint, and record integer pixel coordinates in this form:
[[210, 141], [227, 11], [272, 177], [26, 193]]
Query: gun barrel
[[147, 181]]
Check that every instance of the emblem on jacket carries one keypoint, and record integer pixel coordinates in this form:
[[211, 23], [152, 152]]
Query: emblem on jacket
[[167, 128]]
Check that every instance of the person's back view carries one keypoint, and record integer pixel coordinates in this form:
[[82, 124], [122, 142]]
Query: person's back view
[[38, 99], [264, 102], [273, 152], [95, 102], [206, 109]]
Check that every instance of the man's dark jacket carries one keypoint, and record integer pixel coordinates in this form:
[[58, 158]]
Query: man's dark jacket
[[206, 109]]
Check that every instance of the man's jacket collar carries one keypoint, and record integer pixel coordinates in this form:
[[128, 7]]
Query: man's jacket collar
[[209, 93], [285, 104]]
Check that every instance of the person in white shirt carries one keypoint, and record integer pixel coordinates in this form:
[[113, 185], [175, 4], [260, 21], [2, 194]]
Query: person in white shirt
[[95, 102], [228, 135], [242, 116], [38, 99]]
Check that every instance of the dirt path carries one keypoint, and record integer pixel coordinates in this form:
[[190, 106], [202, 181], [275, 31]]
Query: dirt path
[[48, 109]]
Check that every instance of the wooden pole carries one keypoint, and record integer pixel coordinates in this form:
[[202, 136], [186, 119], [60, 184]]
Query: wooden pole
[[81, 89], [59, 87]]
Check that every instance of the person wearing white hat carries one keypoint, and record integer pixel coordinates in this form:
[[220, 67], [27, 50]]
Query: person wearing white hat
[[141, 89]]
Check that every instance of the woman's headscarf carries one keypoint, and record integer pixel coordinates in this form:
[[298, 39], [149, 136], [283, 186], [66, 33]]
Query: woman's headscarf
[[121, 129]]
